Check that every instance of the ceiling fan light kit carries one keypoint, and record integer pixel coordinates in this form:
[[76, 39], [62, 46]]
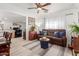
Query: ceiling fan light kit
[[39, 9]]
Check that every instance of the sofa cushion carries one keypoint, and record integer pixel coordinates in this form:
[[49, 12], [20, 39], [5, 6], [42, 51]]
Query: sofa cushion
[[62, 34], [57, 34]]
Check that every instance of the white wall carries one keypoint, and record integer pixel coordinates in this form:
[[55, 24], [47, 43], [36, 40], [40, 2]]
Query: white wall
[[40, 23]]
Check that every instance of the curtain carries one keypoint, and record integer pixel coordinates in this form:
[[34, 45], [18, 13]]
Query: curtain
[[55, 23]]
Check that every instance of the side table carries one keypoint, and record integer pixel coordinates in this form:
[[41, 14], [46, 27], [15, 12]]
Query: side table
[[44, 42]]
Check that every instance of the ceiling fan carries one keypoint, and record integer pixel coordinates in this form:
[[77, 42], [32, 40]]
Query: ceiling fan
[[40, 6]]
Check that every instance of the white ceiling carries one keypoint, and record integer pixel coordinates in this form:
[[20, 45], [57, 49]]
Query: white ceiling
[[22, 7], [11, 17], [54, 7], [19, 11]]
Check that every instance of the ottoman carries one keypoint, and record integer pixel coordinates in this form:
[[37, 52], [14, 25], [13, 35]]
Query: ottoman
[[44, 43]]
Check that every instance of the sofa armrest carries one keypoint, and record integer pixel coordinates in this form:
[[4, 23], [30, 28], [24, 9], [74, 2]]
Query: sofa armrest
[[64, 41]]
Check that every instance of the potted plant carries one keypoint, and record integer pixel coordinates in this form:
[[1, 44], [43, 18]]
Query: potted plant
[[75, 29], [32, 28]]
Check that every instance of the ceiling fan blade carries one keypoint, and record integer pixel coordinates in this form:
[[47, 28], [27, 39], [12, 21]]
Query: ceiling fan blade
[[44, 9], [46, 4], [38, 5], [32, 8]]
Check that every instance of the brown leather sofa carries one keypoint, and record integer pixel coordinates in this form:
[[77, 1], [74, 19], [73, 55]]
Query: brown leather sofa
[[55, 40]]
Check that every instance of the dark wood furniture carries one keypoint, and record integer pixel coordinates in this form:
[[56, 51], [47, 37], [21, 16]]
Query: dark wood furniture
[[5, 46], [75, 45], [8, 36], [24, 35], [54, 40], [5, 49], [33, 35]]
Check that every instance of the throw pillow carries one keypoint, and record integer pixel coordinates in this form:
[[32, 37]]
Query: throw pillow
[[62, 34], [56, 34]]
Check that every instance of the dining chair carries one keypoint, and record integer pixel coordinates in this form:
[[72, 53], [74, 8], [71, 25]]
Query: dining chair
[[5, 47], [8, 36]]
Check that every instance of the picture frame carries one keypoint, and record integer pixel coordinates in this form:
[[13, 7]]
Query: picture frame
[[31, 21]]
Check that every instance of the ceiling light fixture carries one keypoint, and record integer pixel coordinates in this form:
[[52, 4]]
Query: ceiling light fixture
[[39, 9]]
